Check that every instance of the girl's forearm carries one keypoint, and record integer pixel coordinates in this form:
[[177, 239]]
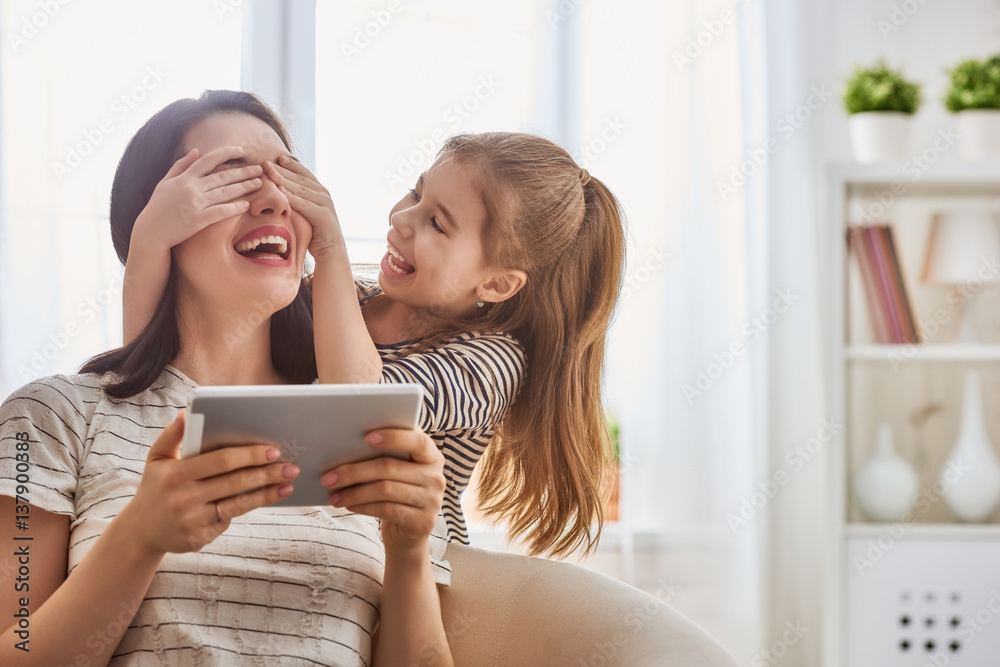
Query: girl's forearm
[[345, 353], [411, 630], [146, 274], [84, 619]]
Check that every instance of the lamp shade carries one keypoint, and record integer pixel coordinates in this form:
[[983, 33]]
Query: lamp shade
[[960, 248]]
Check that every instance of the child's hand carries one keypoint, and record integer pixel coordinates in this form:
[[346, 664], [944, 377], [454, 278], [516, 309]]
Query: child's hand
[[311, 200], [190, 197]]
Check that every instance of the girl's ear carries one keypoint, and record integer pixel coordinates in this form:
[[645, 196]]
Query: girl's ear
[[502, 286]]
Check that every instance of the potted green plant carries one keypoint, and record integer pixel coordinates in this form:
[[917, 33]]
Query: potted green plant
[[614, 433], [881, 104], [974, 98]]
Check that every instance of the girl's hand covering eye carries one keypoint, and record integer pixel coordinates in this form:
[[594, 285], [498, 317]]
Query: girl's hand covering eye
[[311, 200], [193, 195]]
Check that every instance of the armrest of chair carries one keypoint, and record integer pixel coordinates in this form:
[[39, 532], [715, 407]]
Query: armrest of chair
[[511, 610]]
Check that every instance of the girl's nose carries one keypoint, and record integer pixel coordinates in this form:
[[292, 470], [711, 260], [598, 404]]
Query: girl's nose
[[402, 223]]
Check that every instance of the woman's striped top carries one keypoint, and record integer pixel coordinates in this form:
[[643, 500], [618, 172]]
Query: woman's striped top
[[469, 383], [281, 585]]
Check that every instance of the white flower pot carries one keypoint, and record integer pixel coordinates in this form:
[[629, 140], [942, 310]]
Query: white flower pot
[[879, 135], [978, 133]]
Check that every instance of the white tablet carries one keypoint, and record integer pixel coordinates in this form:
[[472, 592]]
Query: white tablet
[[316, 426]]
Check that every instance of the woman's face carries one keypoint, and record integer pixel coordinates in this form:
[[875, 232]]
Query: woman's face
[[211, 271]]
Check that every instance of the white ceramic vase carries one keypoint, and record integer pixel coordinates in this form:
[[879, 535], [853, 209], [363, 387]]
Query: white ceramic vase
[[971, 475], [885, 484], [879, 135], [978, 133]]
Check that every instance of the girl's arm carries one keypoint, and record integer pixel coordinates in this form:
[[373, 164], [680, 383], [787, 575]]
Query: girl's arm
[[406, 496], [345, 353], [87, 613], [194, 194]]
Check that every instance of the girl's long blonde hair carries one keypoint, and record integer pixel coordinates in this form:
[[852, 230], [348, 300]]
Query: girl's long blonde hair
[[546, 469]]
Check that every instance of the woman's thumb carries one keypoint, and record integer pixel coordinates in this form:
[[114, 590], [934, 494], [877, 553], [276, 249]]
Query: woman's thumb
[[168, 445]]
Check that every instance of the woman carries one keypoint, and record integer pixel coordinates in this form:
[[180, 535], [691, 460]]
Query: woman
[[166, 561]]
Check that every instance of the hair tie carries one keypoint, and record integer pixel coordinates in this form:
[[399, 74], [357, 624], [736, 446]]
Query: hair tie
[[584, 176]]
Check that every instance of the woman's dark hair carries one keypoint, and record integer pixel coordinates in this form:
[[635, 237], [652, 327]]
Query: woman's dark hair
[[147, 159]]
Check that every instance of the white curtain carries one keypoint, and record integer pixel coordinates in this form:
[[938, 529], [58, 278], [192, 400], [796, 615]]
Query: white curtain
[[78, 80], [673, 111]]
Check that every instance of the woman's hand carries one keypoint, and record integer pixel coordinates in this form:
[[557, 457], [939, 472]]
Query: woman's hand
[[191, 197], [183, 504], [405, 495], [312, 201]]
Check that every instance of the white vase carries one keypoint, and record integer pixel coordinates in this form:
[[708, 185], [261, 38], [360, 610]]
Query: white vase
[[879, 135], [971, 475], [884, 486], [978, 133]]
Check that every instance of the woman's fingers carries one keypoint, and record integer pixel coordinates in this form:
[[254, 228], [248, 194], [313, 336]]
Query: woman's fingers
[[417, 444], [247, 479], [168, 444], [362, 472], [228, 459], [418, 496]]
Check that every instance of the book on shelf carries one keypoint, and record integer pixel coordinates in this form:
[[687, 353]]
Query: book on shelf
[[885, 291]]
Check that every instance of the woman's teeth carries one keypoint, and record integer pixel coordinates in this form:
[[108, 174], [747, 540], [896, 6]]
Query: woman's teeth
[[276, 245]]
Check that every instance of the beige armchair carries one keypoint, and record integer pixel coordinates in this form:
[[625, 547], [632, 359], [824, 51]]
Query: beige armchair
[[507, 610]]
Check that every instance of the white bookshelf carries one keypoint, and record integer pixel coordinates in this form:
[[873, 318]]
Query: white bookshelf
[[853, 360]]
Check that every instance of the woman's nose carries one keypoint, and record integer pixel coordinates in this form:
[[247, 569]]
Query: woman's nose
[[269, 200]]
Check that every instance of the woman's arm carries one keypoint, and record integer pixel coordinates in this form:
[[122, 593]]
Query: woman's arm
[[85, 614], [345, 353], [406, 496]]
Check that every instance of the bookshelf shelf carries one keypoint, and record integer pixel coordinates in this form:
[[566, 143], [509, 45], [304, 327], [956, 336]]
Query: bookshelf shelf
[[897, 353], [916, 389], [927, 531]]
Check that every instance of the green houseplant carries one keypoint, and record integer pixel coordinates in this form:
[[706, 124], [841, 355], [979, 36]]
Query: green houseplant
[[614, 433], [974, 98], [880, 102]]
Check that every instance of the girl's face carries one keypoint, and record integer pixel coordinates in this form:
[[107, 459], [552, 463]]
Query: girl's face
[[435, 257], [211, 271]]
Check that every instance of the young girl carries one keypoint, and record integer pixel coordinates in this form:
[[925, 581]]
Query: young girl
[[502, 271]]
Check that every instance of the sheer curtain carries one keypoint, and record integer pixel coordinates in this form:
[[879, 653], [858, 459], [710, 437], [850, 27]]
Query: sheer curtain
[[672, 115], [78, 80]]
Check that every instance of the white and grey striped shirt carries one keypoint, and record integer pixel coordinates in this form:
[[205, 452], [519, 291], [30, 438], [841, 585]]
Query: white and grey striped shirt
[[281, 586], [469, 383]]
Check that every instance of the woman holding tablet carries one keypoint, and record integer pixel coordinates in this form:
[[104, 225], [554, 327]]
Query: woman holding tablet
[[131, 555]]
